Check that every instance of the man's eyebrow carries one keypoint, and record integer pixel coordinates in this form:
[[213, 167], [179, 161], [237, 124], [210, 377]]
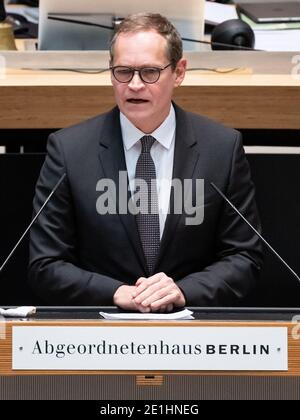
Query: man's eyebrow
[[140, 67]]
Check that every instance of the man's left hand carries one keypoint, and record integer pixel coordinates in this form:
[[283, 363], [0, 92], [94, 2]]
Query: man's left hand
[[159, 292]]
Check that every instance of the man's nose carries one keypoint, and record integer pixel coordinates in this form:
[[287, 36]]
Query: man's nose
[[136, 82]]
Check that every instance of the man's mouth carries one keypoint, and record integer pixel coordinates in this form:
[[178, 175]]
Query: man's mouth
[[137, 101]]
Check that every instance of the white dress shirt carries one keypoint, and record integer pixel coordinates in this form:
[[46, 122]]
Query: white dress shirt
[[162, 153]]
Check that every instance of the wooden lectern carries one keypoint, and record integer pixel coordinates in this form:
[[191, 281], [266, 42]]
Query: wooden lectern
[[157, 384]]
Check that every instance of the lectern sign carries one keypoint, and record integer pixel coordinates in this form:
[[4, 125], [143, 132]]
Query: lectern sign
[[175, 348]]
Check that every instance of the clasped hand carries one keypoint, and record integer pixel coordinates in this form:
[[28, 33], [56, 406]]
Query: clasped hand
[[158, 293]]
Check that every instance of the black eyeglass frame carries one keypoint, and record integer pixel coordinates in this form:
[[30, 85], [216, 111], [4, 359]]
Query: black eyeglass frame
[[140, 70]]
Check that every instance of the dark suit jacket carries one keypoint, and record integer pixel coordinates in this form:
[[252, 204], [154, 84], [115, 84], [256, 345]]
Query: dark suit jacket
[[80, 257]]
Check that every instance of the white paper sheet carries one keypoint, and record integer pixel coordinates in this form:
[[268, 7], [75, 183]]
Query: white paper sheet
[[184, 314], [22, 311]]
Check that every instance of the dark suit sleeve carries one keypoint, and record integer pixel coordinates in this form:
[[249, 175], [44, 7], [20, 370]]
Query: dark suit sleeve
[[238, 259], [54, 272]]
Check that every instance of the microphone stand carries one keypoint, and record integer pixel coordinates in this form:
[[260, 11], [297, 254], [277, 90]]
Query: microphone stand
[[112, 28], [256, 231], [32, 222]]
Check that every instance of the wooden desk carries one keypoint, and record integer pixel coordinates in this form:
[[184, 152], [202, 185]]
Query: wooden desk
[[54, 99], [158, 384], [6, 345]]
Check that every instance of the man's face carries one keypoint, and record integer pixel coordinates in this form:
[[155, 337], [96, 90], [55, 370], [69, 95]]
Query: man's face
[[145, 105]]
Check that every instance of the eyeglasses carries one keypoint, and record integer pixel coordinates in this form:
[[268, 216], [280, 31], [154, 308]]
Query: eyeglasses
[[125, 74]]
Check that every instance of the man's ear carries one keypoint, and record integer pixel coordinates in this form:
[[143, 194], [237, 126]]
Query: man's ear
[[180, 71]]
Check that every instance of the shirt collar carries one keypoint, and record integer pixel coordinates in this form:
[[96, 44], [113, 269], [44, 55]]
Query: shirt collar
[[164, 134]]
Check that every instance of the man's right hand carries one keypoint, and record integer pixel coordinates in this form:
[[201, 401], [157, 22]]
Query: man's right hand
[[123, 298]]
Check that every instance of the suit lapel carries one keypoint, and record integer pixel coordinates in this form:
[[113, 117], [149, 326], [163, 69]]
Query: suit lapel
[[185, 159], [113, 161]]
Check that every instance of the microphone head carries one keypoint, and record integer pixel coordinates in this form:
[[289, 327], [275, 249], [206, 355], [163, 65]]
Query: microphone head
[[233, 32]]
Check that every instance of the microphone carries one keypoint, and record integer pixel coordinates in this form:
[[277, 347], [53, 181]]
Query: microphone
[[237, 34], [2, 11], [233, 32], [221, 45], [256, 231], [32, 222]]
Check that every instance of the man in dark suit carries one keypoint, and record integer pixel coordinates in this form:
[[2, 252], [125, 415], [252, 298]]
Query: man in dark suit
[[145, 260]]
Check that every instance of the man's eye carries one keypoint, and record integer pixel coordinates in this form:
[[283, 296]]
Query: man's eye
[[149, 71], [123, 71]]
